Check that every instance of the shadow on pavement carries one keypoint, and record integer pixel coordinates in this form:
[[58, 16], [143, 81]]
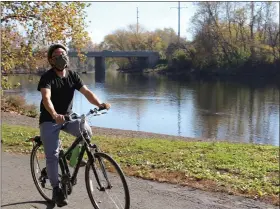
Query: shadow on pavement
[[48, 205]]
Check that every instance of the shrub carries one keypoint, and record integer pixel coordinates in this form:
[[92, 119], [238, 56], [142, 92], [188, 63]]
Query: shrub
[[30, 111], [6, 85], [161, 67], [181, 59], [18, 104]]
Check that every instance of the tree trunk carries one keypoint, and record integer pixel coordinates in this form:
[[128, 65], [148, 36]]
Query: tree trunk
[[252, 38]]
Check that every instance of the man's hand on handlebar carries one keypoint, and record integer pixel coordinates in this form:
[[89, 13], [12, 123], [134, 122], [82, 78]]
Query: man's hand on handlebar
[[104, 106], [59, 119]]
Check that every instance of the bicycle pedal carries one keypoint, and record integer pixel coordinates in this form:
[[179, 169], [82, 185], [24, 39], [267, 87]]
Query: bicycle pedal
[[43, 185], [101, 189]]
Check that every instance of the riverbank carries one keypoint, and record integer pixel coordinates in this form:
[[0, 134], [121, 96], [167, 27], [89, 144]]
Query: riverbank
[[14, 118], [210, 75], [241, 73], [241, 169]]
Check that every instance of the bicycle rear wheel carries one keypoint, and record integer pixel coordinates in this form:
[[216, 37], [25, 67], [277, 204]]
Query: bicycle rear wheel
[[39, 172], [113, 193]]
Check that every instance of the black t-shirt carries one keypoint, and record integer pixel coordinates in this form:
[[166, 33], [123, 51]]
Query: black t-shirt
[[62, 92]]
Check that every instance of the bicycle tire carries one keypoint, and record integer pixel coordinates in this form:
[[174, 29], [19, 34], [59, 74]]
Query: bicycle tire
[[101, 165], [47, 197], [36, 181]]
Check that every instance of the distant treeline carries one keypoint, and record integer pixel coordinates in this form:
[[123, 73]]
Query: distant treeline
[[229, 38]]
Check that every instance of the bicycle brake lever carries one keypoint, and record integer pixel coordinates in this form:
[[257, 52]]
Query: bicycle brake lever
[[67, 118]]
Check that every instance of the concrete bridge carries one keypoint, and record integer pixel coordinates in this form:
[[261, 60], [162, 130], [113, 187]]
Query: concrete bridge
[[146, 59]]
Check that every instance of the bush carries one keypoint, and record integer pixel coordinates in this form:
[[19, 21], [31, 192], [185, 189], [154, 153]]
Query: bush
[[179, 56], [181, 59], [18, 104], [30, 111], [6, 85]]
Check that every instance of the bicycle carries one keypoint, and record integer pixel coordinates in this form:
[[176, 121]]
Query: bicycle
[[107, 174]]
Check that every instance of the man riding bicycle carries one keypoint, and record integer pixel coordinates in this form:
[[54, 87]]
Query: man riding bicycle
[[57, 87]]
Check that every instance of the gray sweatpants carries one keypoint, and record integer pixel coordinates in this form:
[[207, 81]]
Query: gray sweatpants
[[49, 133]]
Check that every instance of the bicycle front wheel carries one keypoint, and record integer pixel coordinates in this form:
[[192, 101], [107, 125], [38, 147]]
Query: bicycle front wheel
[[106, 184]]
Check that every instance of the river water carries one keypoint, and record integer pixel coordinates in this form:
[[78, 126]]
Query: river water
[[218, 110]]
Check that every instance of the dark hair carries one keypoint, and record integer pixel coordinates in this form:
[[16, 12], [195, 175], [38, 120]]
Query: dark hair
[[54, 47]]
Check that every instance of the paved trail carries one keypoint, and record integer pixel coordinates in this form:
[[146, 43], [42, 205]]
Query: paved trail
[[19, 192]]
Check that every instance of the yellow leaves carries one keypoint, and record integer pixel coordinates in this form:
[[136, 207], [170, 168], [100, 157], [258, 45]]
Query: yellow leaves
[[266, 47], [131, 40], [56, 22], [158, 39], [82, 57], [73, 12], [36, 11]]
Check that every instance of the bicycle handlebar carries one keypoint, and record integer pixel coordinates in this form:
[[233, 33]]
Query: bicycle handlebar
[[94, 112]]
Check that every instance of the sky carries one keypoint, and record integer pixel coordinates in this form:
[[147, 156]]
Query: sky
[[107, 17]]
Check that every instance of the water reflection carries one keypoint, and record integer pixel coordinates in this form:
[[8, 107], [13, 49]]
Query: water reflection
[[205, 109], [240, 113]]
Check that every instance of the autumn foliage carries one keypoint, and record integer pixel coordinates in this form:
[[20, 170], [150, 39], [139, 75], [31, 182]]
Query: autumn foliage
[[228, 37], [28, 28]]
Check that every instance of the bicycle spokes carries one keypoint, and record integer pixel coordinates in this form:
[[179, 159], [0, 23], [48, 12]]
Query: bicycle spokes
[[107, 187], [39, 173]]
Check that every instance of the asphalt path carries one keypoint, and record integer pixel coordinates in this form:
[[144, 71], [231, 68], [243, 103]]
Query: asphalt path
[[19, 192]]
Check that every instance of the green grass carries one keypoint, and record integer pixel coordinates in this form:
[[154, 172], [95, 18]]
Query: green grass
[[244, 169]]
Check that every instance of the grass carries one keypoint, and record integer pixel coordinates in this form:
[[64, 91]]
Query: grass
[[242, 169]]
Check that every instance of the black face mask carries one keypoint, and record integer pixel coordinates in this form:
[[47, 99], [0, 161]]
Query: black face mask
[[61, 62]]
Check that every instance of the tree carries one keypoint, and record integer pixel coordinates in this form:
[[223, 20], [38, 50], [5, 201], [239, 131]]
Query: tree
[[87, 64], [229, 34], [28, 27]]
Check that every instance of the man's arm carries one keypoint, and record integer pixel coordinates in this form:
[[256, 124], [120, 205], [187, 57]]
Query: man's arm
[[91, 97], [46, 97]]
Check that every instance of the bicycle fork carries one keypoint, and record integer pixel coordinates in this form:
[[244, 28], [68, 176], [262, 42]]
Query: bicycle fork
[[102, 168]]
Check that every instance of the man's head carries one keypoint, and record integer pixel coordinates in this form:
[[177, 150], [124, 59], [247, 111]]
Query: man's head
[[57, 57]]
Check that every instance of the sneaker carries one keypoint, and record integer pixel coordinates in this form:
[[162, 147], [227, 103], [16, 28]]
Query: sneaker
[[59, 197]]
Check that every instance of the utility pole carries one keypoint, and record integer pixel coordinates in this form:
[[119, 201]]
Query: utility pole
[[179, 18], [137, 21]]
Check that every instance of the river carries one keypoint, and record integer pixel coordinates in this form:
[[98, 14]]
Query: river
[[218, 110]]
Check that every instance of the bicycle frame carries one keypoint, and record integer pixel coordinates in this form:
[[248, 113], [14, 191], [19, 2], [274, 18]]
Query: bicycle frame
[[62, 157], [85, 148], [71, 179]]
